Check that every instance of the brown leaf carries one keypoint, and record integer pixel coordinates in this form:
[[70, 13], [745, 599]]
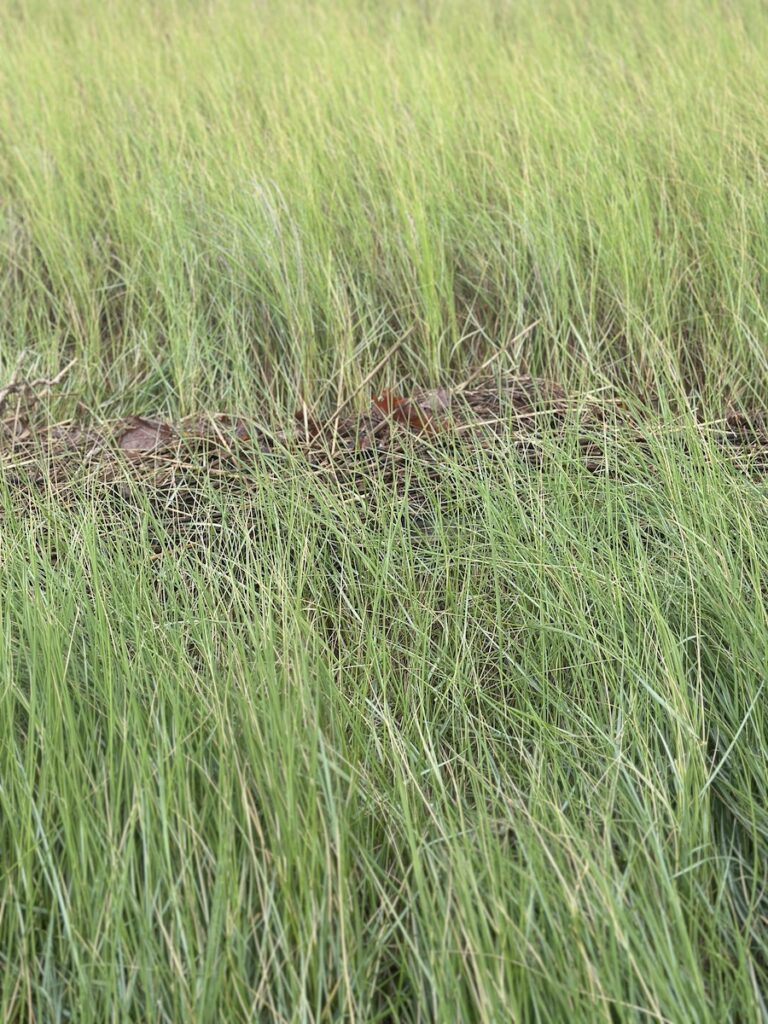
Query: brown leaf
[[401, 410], [144, 435]]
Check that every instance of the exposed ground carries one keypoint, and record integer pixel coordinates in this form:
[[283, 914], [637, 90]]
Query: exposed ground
[[383, 512], [517, 417]]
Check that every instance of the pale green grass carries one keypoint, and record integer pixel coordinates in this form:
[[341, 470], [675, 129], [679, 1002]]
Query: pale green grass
[[503, 762], [210, 201]]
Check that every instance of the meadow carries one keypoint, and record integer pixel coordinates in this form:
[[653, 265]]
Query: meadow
[[503, 760]]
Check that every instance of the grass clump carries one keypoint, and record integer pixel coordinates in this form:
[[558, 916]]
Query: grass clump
[[294, 750]]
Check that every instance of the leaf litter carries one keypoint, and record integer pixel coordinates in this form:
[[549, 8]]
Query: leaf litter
[[369, 452]]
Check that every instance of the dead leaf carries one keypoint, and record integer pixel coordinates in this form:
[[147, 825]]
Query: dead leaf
[[144, 435], [401, 410]]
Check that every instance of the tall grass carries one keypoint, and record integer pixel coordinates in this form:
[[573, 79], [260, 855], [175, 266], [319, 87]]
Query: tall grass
[[328, 759], [207, 201], [507, 763]]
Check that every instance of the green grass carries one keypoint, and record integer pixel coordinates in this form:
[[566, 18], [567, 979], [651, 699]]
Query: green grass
[[211, 201], [503, 761]]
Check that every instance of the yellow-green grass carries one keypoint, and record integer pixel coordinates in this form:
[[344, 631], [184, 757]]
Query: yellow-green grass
[[207, 201], [503, 760]]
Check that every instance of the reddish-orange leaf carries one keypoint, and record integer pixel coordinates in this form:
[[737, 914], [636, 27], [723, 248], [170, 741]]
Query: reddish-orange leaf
[[402, 410]]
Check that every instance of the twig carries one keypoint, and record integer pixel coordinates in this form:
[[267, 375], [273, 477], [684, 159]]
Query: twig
[[36, 388]]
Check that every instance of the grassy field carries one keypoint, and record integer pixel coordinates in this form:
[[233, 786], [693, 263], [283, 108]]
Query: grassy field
[[505, 760]]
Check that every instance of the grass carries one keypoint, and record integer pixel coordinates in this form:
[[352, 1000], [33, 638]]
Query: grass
[[503, 761], [212, 201]]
